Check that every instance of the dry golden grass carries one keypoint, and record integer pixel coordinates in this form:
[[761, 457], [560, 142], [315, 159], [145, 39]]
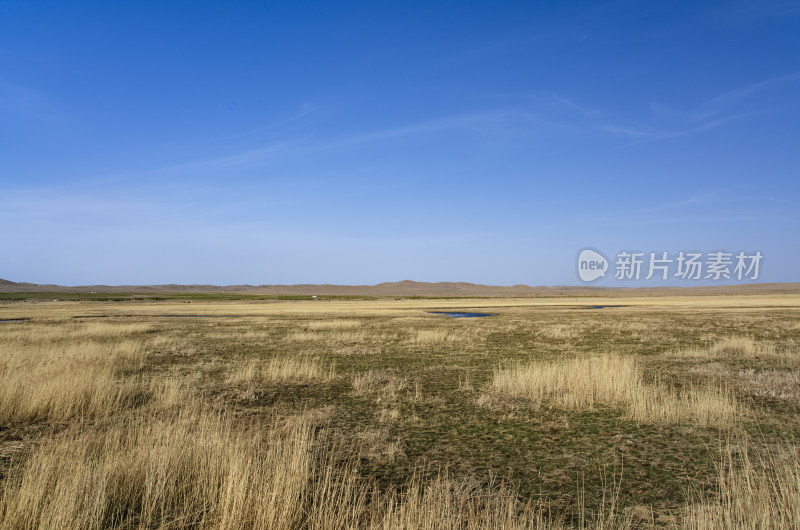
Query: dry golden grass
[[465, 383], [709, 404], [433, 336], [323, 325], [163, 449], [445, 502], [189, 469], [752, 492], [60, 379], [583, 383], [558, 332], [39, 332], [194, 468], [379, 381], [173, 345], [108, 329], [573, 384], [737, 347], [329, 336], [776, 384], [280, 369], [377, 445]]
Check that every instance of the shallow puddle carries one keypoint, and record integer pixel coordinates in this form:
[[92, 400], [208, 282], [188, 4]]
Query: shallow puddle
[[461, 315]]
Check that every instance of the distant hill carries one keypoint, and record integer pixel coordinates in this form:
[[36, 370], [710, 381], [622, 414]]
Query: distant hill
[[404, 288]]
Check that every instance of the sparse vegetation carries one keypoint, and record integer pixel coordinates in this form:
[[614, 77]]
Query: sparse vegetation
[[374, 414]]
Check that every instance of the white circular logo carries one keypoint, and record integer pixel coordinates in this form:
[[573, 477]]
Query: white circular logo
[[591, 265]]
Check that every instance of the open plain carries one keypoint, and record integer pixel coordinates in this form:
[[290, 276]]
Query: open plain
[[658, 411]]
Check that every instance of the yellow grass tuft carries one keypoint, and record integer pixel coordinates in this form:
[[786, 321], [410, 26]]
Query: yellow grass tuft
[[327, 336], [280, 369], [573, 384], [558, 332], [445, 502], [704, 405], [109, 329], [758, 492], [433, 336], [740, 347], [735, 347], [585, 382], [324, 325]]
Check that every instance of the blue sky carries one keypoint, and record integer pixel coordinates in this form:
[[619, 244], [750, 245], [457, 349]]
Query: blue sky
[[348, 142]]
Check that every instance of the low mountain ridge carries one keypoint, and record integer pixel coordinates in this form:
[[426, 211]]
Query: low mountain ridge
[[404, 288]]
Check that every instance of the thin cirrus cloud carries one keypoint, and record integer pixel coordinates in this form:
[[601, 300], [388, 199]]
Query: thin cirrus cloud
[[722, 103], [730, 106], [698, 199], [538, 113], [483, 123], [666, 122], [489, 122], [561, 113]]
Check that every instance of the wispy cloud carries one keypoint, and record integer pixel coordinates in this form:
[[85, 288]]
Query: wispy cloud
[[284, 141], [281, 126], [560, 112], [226, 161], [697, 199], [500, 122], [490, 122], [523, 114], [623, 131], [195, 166], [722, 103], [727, 107], [516, 120]]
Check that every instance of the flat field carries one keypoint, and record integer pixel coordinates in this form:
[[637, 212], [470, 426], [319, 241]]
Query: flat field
[[663, 411]]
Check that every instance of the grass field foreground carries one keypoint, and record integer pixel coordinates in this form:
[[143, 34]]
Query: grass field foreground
[[666, 412]]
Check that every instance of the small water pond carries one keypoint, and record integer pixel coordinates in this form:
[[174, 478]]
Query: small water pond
[[452, 314]]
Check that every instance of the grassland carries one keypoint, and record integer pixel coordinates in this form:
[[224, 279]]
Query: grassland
[[274, 413]]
